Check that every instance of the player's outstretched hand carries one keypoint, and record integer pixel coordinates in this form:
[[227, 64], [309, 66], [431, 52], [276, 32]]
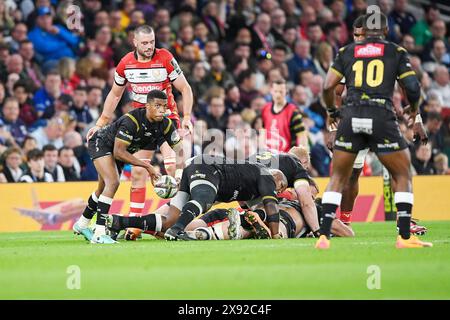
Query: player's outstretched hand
[[91, 132]]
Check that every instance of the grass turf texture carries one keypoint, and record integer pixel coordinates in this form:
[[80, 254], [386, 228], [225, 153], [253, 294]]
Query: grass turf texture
[[34, 266]]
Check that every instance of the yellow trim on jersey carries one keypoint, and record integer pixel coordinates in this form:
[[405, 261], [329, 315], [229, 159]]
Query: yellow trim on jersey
[[297, 126], [297, 116], [269, 197], [401, 49], [342, 49], [127, 142], [134, 120], [406, 74], [337, 72], [168, 127]]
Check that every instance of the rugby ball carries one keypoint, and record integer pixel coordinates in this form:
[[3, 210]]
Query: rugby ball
[[166, 187]]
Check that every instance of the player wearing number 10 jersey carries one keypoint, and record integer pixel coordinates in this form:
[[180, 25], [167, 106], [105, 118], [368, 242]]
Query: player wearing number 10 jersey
[[367, 119]]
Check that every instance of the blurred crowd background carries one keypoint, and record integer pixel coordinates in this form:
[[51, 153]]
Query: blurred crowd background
[[57, 62]]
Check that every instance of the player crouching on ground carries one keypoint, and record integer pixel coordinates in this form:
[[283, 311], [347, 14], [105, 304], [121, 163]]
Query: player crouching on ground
[[230, 224], [207, 180], [113, 146]]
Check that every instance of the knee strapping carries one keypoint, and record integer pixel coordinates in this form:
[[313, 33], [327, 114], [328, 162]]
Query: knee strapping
[[204, 195]]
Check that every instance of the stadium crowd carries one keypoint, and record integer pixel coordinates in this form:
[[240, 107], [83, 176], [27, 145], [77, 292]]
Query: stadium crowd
[[57, 63]]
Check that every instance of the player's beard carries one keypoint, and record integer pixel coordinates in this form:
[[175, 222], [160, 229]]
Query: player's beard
[[145, 54]]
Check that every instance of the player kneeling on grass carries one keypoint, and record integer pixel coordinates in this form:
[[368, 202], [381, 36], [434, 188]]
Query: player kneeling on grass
[[113, 146], [207, 180]]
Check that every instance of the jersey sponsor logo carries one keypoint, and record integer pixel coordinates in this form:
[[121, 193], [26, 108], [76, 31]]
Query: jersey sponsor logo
[[388, 145], [362, 125], [369, 50], [346, 145], [144, 89], [146, 75], [126, 135]]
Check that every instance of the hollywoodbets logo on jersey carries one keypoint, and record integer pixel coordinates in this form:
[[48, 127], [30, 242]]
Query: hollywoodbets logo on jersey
[[369, 50]]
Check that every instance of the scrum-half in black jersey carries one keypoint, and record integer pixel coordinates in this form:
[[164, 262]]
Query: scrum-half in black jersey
[[138, 132], [286, 163], [371, 67]]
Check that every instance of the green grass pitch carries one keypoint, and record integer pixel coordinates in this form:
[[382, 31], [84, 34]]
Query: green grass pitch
[[35, 266]]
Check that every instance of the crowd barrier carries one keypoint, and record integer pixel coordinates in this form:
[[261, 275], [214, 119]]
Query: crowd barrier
[[55, 206]]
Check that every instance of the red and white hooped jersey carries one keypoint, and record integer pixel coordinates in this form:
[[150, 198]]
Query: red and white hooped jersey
[[143, 77]]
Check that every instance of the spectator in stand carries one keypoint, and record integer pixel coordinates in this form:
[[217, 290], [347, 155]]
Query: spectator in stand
[[232, 99], [438, 55], [198, 83], [300, 61], [66, 159], [435, 131], [12, 171], [246, 82], [50, 134], [315, 36], [52, 42], [261, 36], [80, 109], [36, 172], [29, 143], [18, 34], [11, 120], [22, 93], [278, 21], [402, 17], [421, 160], [94, 101], [74, 141], [279, 58], [101, 45], [31, 67], [213, 21], [45, 97], [51, 165], [441, 85], [409, 44], [438, 31], [421, 30], [290, 37], [323, 58], [338, 10], [441, 164], [66, 68], [218, 76], [216, 118]]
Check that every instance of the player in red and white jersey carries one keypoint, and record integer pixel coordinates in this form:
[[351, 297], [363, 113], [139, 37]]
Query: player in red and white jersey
[[143, 70], [283, 121]]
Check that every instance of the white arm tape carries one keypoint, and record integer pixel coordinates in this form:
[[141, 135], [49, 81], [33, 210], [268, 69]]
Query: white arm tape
[[300, 182]]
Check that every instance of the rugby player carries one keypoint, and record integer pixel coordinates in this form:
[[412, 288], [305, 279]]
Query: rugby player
[[351, 188], [371, 68], [229, 224], [113, 146], [293, 164], [206, 180], [145, 69]]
